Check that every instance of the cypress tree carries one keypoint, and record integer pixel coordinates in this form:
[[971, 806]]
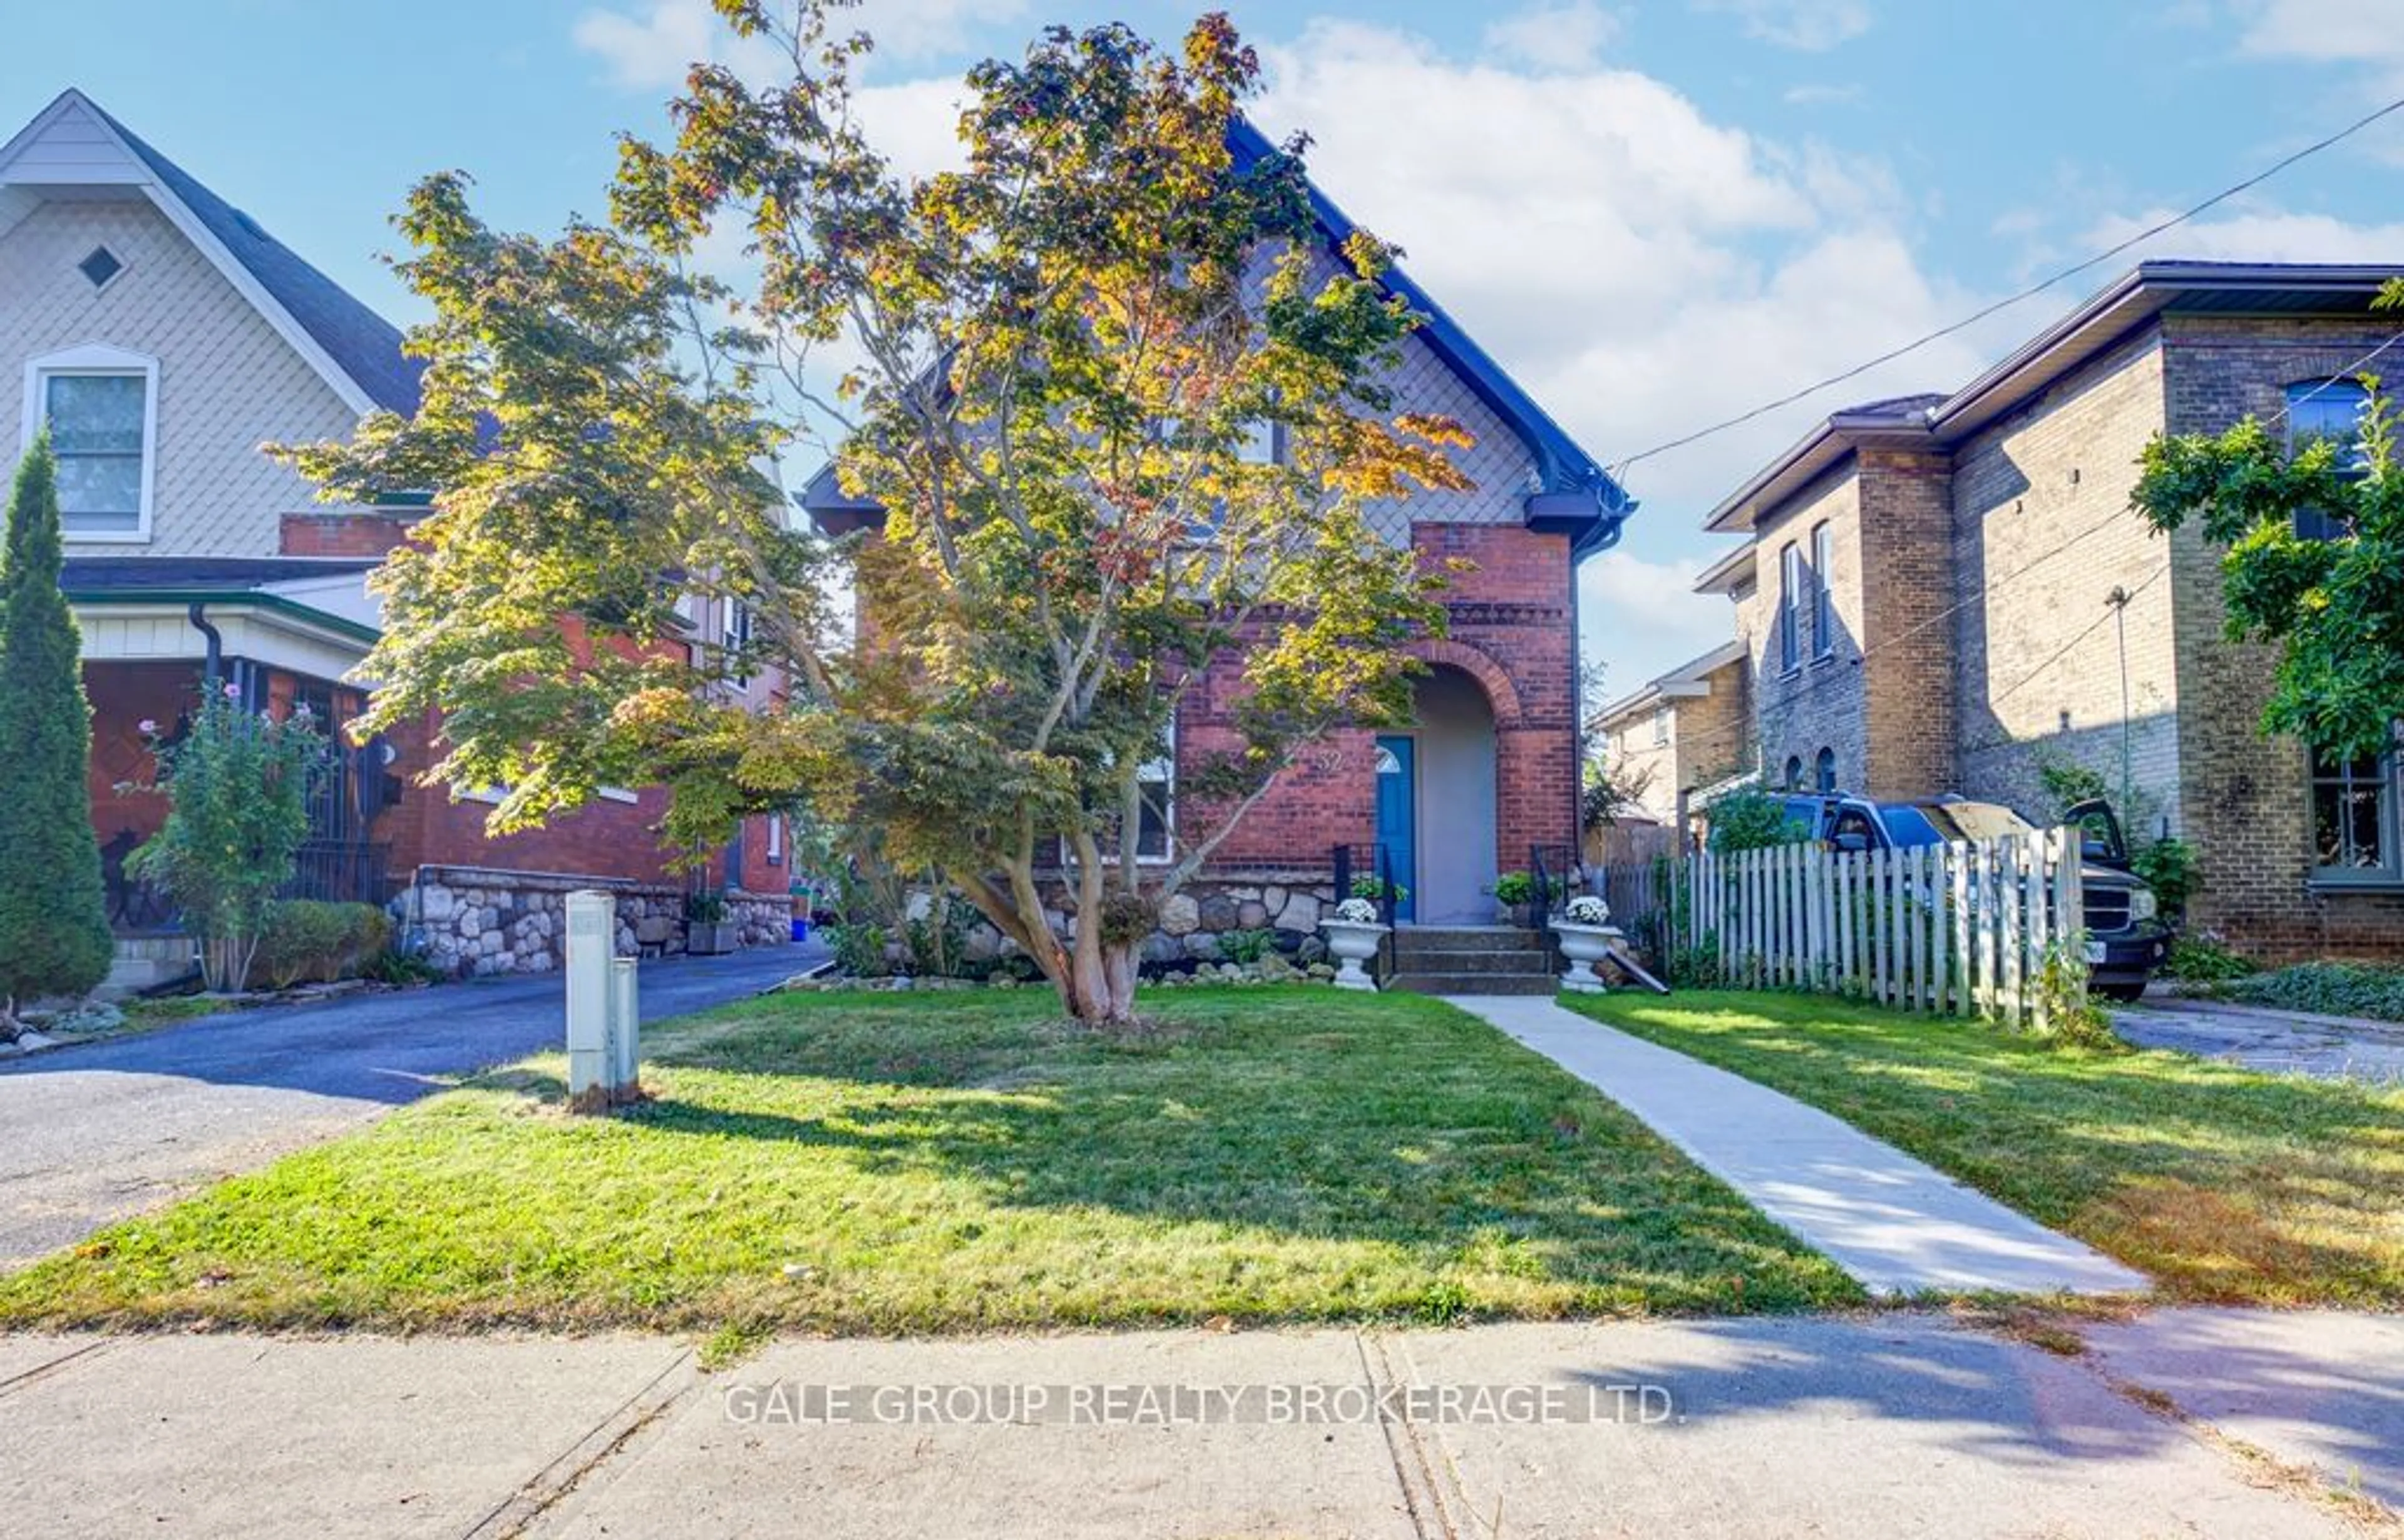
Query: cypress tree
[[54, 935]]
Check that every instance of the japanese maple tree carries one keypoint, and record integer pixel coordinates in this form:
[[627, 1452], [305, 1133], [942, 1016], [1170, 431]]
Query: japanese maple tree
[[1061, 362]]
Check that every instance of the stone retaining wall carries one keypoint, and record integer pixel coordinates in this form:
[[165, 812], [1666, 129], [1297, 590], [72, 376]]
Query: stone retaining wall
[[469, 920], [1290, 903]]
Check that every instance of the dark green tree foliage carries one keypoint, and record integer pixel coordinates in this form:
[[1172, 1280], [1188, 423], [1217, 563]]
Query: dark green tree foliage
[[2334, 608], [53, 911]]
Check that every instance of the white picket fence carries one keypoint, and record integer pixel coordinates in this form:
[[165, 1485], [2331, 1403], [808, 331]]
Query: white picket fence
[[1963, 929]]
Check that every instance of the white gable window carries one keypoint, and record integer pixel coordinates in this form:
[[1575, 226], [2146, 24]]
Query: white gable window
[[101, 405]]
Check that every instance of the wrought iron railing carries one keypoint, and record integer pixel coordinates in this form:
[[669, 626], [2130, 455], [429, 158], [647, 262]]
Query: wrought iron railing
[[1374, 862], [1554, 867], [340, 871]]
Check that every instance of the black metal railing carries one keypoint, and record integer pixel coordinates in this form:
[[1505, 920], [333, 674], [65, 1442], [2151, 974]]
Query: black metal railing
[[1375, 862], [339, 871], [1552, 867]]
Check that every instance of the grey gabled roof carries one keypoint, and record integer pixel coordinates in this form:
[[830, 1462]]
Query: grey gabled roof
[[362, 343], [1573, 495]]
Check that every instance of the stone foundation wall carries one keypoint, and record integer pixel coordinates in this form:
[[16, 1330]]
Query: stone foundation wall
[[1289, 902], [471, 921]]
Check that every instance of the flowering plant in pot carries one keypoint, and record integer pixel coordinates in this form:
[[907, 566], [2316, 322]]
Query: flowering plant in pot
[[1354, 936], [1514, 894], [1586, 937]]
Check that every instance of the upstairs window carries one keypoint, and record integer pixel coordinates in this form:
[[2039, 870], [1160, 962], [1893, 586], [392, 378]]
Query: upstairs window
[[1789, 594], [736, 642], [100, 406], [2327, 411], [1660, 726], [1823, 627]]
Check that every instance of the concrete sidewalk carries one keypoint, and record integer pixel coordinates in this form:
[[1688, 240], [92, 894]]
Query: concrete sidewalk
[[1904, 1424], [1896, 1225]]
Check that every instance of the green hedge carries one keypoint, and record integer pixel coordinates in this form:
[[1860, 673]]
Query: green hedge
[[307, 941]]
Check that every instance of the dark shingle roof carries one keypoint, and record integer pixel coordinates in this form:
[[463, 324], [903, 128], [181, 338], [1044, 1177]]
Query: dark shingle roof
[[157, 574], [362, 343], [1574, 494]]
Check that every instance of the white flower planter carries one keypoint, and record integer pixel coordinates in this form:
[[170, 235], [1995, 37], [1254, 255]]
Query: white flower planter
[[1351, 944], [1583, 945]]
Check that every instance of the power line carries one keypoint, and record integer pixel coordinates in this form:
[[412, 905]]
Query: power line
[[1865, 653], [1620, 470]]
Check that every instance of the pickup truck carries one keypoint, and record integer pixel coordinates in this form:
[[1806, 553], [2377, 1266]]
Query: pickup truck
[[2126, 939]]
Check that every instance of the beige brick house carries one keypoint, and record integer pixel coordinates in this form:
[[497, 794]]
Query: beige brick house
[[1686, 729], [1944, 593]]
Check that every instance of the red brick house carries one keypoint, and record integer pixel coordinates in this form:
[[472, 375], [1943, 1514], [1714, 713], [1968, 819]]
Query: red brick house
[[1490, 772], [163, 336]]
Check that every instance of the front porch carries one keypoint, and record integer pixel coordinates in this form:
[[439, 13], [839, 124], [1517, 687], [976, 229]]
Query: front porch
[[149, 650]]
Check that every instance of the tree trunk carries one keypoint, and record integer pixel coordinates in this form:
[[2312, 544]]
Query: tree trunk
[[1099, 989], [1095, 980]]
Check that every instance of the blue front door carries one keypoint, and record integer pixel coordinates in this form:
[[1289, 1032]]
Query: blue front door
[[1398, 802]]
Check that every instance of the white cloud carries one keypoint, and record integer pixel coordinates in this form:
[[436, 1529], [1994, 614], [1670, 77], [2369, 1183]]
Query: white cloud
[[1817, 95], [2367, 32], [1570, 35], [1812, 26], [651, 44], [1643, 268], [2263, 235], [653, 47], [1643, 618]]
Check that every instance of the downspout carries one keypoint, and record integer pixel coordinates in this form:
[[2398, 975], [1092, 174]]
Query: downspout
[[1577, 715], [213, 659]]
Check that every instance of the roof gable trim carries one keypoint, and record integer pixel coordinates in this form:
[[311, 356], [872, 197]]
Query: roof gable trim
[[189, 224]]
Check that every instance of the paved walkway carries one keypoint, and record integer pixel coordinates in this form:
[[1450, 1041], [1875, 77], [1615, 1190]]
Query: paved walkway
[[98, 1131], [2273, 1041], [1898, 1226], [1896, 1425]]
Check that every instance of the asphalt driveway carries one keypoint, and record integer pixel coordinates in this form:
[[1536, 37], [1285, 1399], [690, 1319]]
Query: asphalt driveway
[[93, 1133], [2271, 1041]]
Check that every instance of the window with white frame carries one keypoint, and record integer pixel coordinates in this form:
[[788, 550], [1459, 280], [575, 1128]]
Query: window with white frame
[[101, 405], [1824, 624], [1789, 594], [1156, 786], [2328, 412], [736, 640], [1660, 726]]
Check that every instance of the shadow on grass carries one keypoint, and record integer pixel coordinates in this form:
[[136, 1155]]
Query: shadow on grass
[[2226, 1184], [1257, 1119]]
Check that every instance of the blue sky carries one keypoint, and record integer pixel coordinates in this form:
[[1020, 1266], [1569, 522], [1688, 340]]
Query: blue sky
[[1656, 214]]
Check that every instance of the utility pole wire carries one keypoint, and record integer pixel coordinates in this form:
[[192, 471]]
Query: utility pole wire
[[1619, 471]]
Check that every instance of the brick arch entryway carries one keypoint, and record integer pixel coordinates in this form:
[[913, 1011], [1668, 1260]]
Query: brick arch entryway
[[1454, 750]]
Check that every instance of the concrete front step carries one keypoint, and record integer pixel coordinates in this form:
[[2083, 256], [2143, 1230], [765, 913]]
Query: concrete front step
[[1466, 938], [144, 962], [1475, 984], [1428, 960]]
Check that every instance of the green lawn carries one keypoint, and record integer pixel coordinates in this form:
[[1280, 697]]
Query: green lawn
[[2223, 1183], [947, 1162]]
